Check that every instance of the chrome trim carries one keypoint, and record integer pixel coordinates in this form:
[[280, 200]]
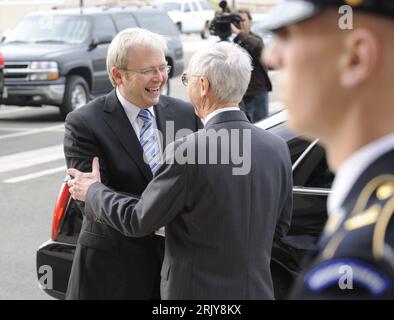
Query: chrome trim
[[275, 119], [7, 63], [312, 191], [53, 293], [29, 71], [9, 69], [303, 155], [53, 93], [54, 242]]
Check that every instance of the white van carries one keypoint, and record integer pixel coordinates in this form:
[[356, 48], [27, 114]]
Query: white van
[[189, 15]]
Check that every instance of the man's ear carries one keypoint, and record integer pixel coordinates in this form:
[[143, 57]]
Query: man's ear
[[360, 56], [116, 75], [205, 86]]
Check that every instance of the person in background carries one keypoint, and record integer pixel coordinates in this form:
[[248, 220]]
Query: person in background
[[255, 102]]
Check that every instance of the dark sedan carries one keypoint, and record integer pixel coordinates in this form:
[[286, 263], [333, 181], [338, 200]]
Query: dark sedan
[[312, 182]]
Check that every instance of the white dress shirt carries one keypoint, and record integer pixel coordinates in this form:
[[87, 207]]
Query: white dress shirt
[[214, 113], [132, 112], [353, 167]]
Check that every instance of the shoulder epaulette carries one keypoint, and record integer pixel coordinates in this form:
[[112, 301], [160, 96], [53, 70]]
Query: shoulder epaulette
[[371, 202], [380, 248]]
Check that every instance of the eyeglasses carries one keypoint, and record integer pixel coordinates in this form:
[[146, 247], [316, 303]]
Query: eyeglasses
[[185, 80], [151, 71]]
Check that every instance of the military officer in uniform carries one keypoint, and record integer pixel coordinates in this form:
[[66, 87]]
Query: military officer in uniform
[[336, 63]]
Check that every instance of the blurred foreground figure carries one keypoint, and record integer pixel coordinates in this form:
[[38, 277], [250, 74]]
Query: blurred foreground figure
[[337, 73]]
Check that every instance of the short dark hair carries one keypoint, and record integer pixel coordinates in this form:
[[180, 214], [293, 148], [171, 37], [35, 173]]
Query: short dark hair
[[245, 11]]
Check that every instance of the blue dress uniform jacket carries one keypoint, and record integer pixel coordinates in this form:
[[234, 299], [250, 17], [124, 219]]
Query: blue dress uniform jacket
[[355, 256]]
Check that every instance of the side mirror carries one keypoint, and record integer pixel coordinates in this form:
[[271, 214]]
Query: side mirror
[[100, 39]]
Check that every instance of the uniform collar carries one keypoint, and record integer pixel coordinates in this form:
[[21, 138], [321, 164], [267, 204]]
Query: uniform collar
[[353, 167]]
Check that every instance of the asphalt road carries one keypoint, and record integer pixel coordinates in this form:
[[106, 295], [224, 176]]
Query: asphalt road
[[32, 167]]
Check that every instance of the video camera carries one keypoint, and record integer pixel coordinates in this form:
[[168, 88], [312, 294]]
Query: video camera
[[221, 25]]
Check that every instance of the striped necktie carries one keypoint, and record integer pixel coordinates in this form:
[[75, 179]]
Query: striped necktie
[[149, 141]]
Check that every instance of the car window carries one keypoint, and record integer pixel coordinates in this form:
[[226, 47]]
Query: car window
[[125, 20], [313, 171], [205, 5], [171, 6], [186, 8], [296, 145], [104, 26], [194, 6], [159, 23]]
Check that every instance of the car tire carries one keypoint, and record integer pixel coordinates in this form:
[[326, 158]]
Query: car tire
[[76, 94], [179, 26], [165, 91]]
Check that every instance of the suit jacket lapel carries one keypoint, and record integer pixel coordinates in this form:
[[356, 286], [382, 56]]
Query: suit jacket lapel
[[164, 113], [116, 119]]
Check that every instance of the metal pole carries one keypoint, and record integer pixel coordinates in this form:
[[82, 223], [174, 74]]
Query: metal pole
[[81, 6]]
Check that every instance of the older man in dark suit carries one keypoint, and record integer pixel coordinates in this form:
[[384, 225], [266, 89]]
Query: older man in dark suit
[[224, 193], [108, 265]]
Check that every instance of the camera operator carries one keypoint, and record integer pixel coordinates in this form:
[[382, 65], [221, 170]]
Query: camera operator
[[255, 100]]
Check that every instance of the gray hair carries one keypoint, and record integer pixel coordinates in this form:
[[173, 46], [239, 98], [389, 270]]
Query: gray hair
[[131, 38], [228, 68]]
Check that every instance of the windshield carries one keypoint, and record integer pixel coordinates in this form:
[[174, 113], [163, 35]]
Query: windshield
[[170, 6], [205, 5], [50, 29]]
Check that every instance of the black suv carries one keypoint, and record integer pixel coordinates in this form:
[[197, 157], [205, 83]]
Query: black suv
[[59, 57], [312, 183]]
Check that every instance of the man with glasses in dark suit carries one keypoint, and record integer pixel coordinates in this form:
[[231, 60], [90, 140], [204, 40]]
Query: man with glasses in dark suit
[[122, 128]]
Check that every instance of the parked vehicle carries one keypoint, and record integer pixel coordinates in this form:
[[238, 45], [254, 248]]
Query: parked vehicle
[[1, 74], [58, 57], [312, 182], [189, 15]]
